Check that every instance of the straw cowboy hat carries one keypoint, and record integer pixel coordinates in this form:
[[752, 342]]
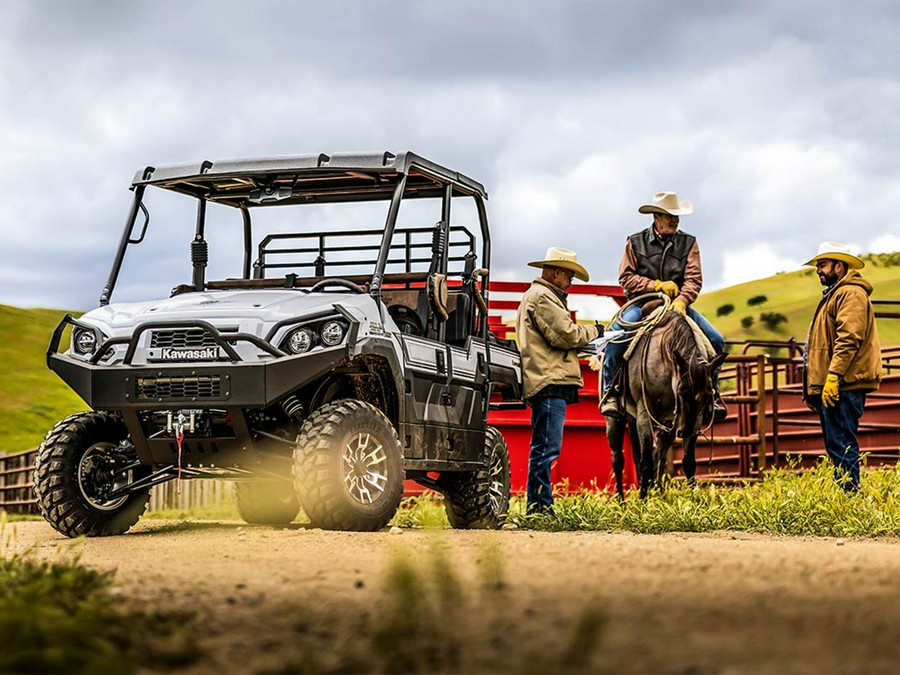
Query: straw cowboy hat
[[831, 250], [667, 202], [564, 258]]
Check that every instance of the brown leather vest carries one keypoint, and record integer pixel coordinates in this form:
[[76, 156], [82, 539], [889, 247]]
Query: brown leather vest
[[658, 261]]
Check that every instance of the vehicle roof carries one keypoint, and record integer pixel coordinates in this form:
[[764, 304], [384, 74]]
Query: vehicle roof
[[340, 177]]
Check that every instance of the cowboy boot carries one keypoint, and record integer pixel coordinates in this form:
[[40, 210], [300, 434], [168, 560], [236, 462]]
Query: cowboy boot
[[609, 402]]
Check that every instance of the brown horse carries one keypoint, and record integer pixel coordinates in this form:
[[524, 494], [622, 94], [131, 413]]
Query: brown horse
[[669, 392]]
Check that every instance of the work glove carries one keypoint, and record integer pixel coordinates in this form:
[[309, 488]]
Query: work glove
[[678, 306], [670, 288], [831, 392]]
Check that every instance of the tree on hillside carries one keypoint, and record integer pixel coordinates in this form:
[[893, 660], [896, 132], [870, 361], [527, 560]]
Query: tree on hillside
[[725, 310], [746, 322], [772, 319], [757, 300]]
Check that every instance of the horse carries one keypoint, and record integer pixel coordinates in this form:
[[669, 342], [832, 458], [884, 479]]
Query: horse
[[669, 390]]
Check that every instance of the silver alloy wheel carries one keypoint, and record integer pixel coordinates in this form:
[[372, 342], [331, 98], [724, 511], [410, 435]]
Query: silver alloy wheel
[[363, 468], [94, 466], [497, 489]]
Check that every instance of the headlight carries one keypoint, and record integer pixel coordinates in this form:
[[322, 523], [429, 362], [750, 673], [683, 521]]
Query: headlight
[[85, 341], [301, 341], [332, 333]]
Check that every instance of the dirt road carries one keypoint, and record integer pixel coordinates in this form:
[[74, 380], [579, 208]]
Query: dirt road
[[299, 599]]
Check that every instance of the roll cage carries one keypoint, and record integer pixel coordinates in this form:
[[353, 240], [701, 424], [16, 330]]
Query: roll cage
[[248, 184]]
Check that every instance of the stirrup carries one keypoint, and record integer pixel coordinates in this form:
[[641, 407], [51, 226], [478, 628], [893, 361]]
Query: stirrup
[[720, 410]]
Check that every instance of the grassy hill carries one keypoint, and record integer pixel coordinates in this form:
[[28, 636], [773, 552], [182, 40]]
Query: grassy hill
[[32, 398], [794, 295]]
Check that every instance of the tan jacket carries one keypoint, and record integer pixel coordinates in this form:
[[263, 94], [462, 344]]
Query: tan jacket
[[548, 338], [843, 338]]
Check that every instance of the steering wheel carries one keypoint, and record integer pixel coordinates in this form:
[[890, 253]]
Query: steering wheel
[[343, 283]]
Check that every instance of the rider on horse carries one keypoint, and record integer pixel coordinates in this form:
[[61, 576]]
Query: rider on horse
[[661, 258]]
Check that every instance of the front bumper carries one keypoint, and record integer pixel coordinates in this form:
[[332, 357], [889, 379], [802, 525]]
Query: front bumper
[[212, 384]]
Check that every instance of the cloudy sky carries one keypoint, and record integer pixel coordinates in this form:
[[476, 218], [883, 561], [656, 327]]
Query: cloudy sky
[[779, 120]]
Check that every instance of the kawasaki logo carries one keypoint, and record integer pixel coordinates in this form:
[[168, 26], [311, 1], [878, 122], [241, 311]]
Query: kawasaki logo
[[203, 354]]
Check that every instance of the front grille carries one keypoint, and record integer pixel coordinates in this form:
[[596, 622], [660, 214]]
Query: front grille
[[182, 337], [177, 387]]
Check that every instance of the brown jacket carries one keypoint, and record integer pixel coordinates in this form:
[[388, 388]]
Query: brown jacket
[[843, 338], [548, 338]]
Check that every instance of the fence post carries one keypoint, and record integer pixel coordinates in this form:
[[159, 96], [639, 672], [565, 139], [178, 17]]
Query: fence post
[[761, 413], [775, 451]]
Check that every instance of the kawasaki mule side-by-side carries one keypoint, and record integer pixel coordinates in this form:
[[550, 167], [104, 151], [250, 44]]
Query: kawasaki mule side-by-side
[[327, 368]]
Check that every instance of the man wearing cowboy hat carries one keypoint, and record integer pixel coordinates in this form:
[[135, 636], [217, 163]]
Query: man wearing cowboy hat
[[548, 340], [842, 356], [665, 259]]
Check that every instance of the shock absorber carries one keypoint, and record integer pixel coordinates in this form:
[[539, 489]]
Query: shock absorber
[[293, 408]]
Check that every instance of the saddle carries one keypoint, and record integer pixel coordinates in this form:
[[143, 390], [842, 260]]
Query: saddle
[[614, 400]]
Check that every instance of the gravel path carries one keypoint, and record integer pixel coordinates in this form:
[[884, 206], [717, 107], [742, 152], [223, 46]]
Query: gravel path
[[299, 599]]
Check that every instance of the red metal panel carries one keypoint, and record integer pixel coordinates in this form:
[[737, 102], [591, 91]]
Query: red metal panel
[[585, 461]]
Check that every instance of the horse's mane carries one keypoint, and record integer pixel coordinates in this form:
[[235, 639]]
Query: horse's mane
[[681, 344]]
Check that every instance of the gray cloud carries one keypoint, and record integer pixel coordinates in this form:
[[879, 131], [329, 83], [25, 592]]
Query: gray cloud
[[776, 119]]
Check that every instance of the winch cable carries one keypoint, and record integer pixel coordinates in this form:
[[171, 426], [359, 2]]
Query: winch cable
[[179, 436]]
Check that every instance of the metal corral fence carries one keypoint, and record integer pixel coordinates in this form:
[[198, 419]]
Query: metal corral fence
[[16, 482], [769, 425]]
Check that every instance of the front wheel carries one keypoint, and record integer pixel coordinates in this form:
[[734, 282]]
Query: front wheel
[[480, 499], [348, 467], [82, 460]]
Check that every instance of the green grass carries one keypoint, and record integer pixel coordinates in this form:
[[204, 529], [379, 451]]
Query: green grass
[[426, 511], [32, 399], [785, 502], [805, 503], [60, 616]]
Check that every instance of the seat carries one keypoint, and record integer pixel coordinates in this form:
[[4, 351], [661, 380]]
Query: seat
[[460, 319]]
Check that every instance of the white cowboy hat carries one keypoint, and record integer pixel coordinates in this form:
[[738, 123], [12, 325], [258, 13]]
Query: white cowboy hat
[[562, 257], [831, 250], [667, 202]]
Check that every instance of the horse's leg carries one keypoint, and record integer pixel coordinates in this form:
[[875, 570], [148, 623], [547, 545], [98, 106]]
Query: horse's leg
[[664, 440], [645, 443], [615, 437], [635, 446], [689, 462]]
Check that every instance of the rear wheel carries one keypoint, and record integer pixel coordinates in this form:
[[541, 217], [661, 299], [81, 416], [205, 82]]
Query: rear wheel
[[348, 467], [82, 460], [480, 499], [266, 502]]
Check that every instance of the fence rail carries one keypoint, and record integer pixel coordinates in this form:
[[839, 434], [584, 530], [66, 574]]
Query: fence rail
[[16, 482]]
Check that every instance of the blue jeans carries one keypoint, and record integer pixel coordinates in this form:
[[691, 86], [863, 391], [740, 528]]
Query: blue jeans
[[839, 425], [548, 415], [615, 351]]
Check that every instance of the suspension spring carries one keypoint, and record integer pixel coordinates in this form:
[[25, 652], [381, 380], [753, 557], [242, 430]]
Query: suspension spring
[[293, 408]]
